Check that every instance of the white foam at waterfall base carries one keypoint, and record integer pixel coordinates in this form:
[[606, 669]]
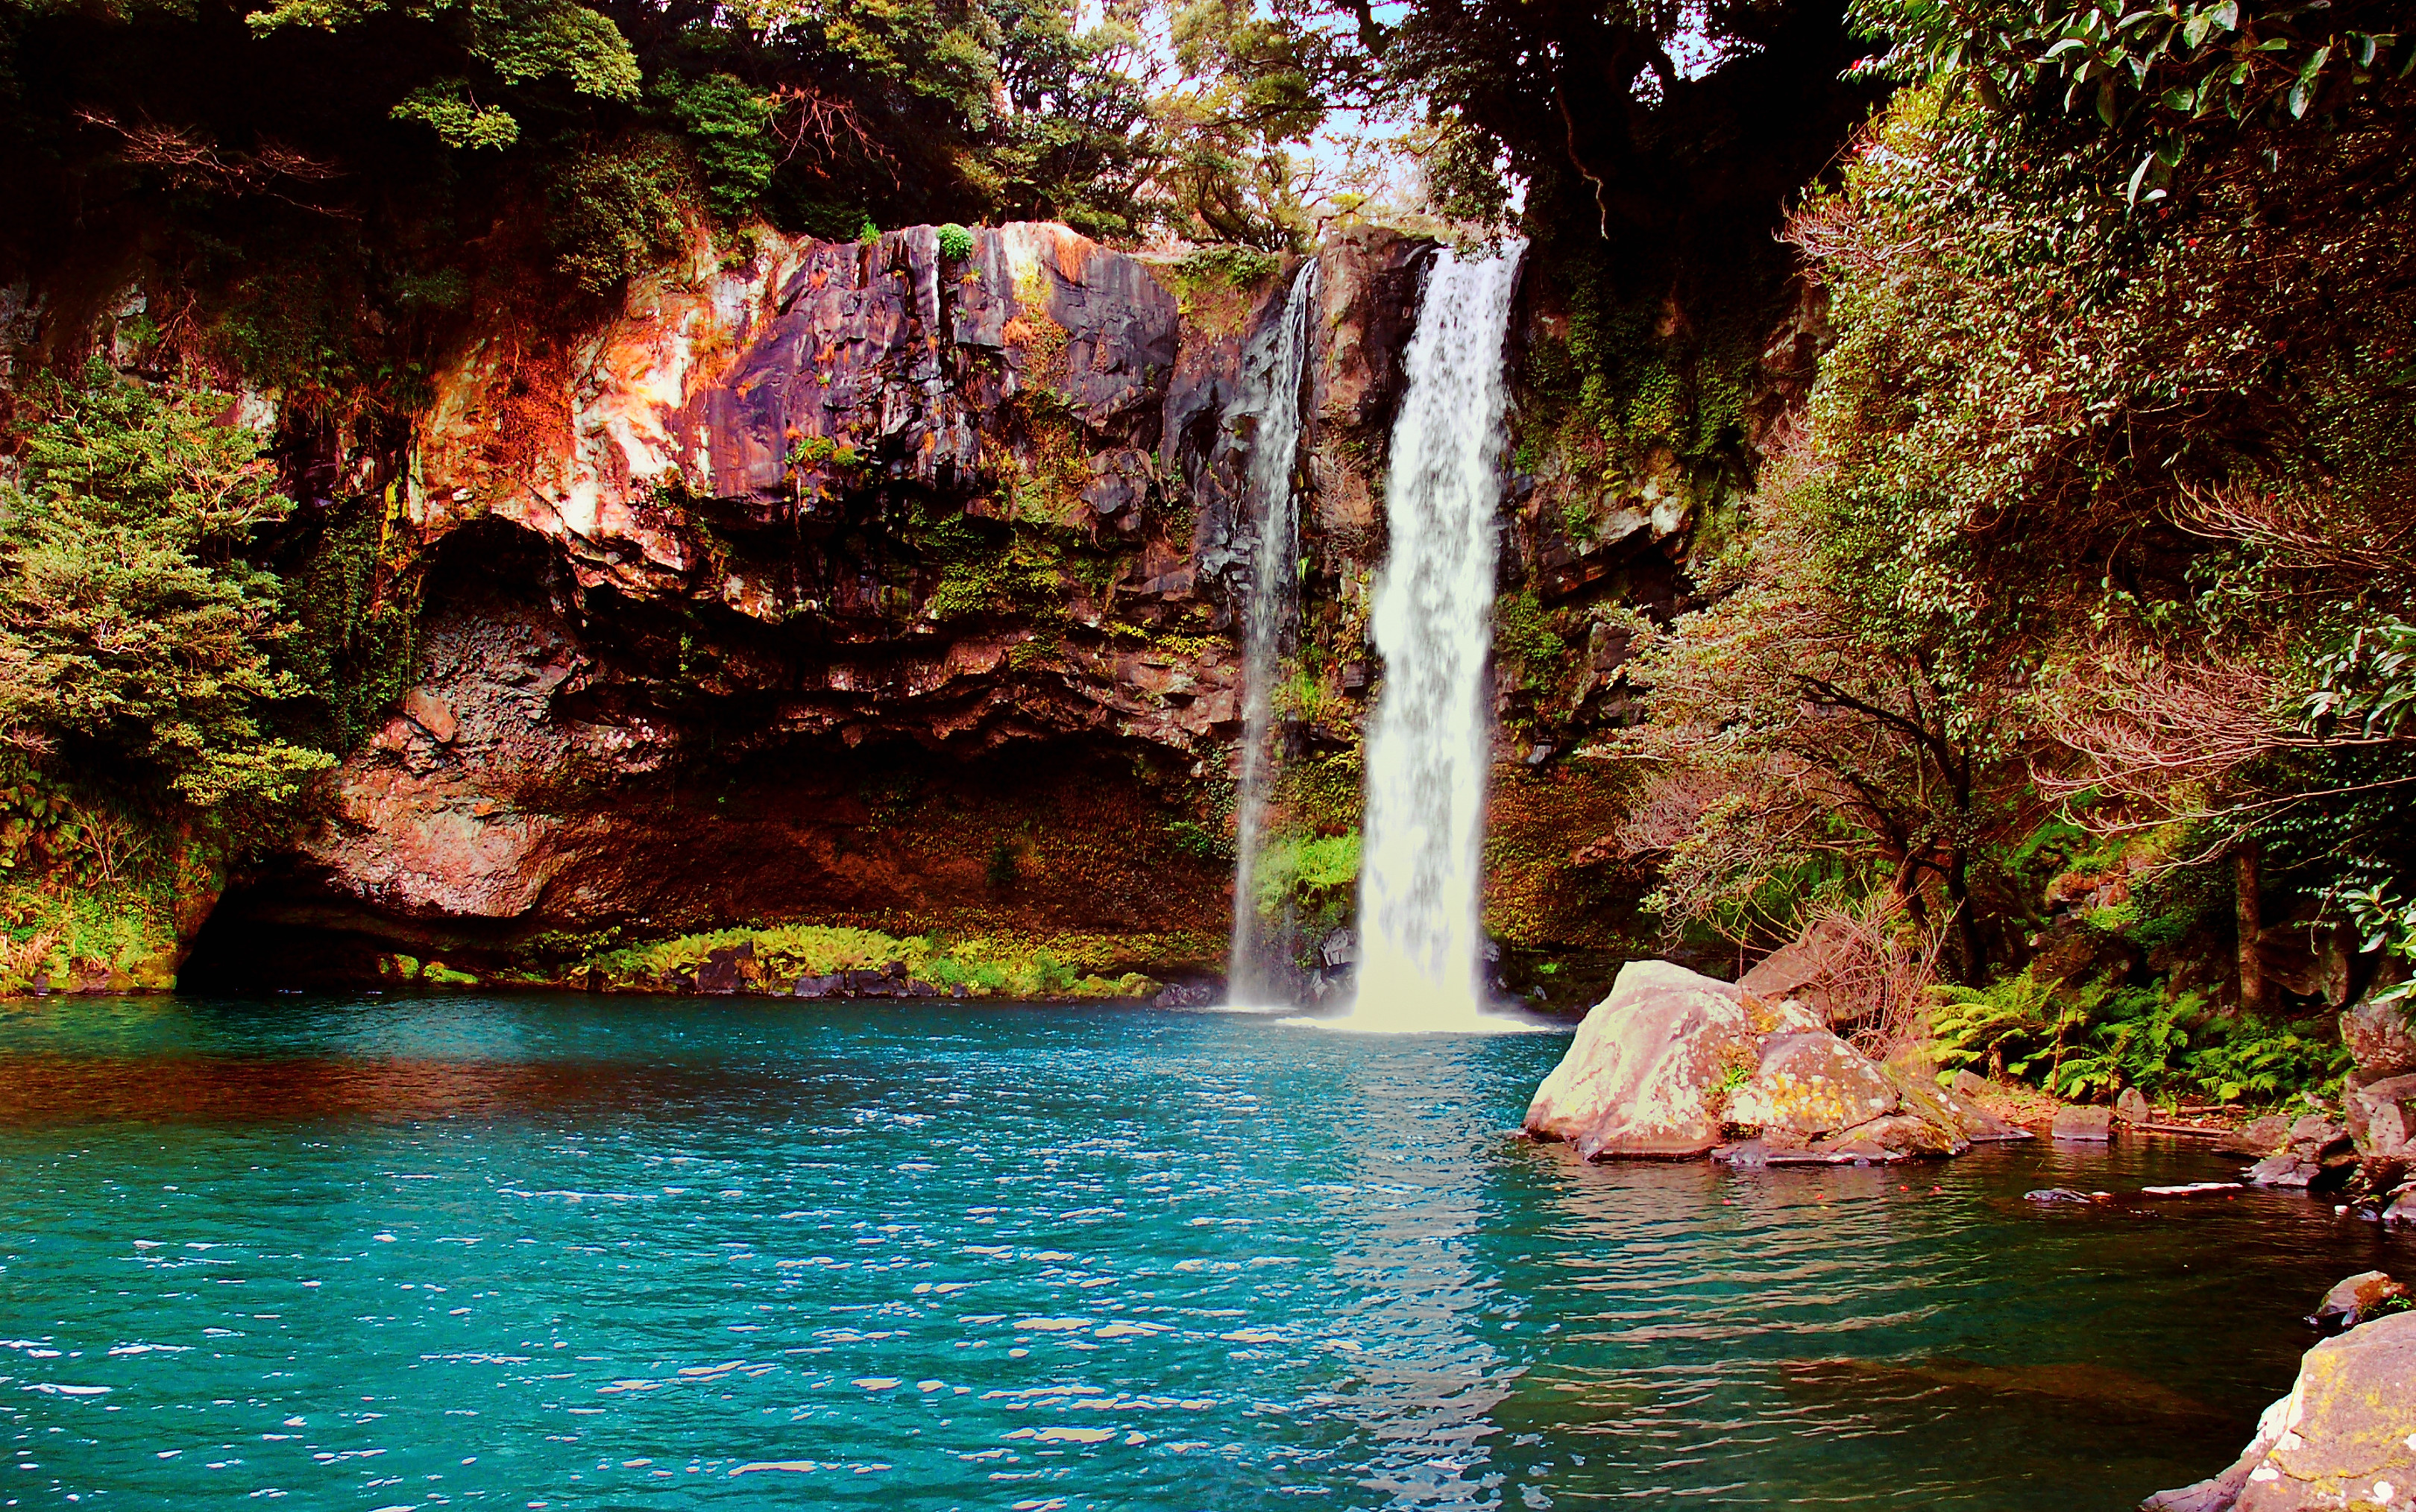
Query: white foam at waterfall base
[[1430, 752], [1273, 602]]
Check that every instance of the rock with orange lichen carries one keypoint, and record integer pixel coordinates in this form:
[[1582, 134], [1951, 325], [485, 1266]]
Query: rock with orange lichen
[[1673, 1064]]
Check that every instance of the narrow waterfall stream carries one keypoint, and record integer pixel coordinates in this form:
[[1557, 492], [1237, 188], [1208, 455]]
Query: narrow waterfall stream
[[1269, 616], [1429, 750]]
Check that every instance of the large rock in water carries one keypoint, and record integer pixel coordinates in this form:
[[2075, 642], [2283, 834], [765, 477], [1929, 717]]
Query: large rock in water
[[1672, 1063], [1639, 1078], [2344, 1437]]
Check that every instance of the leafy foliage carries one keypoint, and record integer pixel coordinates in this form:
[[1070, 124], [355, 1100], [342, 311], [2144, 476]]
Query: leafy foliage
[[1312, 876], [2164, 78], [2093, 1041], [135, 638], [2101, 498]]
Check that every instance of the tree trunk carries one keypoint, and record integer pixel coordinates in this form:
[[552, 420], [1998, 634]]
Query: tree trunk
[[2244, 907], [1958, 892]]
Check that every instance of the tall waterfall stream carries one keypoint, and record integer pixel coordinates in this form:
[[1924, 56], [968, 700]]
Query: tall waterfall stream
[[1429, 750], [1272, 610]]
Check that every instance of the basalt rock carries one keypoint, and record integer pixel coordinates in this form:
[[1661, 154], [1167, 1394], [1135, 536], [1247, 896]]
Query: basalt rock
[[857, 583], [2379, 1096], [2316, 1154], [840, 581], [2083, 1124], [2260, 1137], [2382, 1116]]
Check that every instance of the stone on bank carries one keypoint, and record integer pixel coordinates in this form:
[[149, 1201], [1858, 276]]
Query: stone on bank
[[2344, 1437], [1674, 1064]]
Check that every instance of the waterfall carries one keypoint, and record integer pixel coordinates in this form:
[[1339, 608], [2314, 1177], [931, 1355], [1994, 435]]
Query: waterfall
[[1430, 752], [1268, 615]]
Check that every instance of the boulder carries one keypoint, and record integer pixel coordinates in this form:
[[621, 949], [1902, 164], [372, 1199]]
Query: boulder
[[1967, 1084], [1803, 970], [2314, 1153], [2344, 1437], [1809, 1084], [2355, 1300], [2381, 1042], [2284, 1170], [2314, 1134], [2382, 1116], [1950, 1106], [2262, 1137], [2131, 1106], [1671, 1060], [727, 970], [2076, 1123], [1640, 1077]]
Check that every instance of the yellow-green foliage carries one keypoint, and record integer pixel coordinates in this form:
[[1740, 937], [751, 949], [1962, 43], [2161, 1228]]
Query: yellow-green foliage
[[1217, 287], [88, 890], [1315, 874], [988, 570], [1523, 628], [985, 966]]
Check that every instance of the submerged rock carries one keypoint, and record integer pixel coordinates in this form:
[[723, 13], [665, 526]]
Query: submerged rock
[[2344, 1437], [1672, 1063]]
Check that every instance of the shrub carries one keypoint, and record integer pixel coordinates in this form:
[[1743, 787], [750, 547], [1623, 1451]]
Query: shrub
[[2093, 1040], [955, 241], [1314, 876], [620, 209]]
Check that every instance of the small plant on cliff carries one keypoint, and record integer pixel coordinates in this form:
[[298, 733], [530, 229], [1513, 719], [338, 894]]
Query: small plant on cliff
[[813, 451], [135, 636], [1316, 875], [955, 241]]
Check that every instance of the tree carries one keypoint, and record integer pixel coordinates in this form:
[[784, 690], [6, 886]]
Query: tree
[[1804, 755], [135, 638]]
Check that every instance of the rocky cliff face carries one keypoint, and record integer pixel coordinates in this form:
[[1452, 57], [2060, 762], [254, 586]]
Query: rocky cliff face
[[867, 583]]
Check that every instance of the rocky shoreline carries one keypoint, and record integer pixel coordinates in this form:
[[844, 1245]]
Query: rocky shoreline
[[1673, 1064]]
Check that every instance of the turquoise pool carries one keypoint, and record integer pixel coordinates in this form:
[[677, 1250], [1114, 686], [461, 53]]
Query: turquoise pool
[[609, 1253]]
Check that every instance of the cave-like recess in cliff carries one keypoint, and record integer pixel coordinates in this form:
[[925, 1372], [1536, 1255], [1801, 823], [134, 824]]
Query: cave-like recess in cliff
[[576, 772]]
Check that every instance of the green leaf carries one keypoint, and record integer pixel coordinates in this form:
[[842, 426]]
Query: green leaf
[[2139, 174]]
